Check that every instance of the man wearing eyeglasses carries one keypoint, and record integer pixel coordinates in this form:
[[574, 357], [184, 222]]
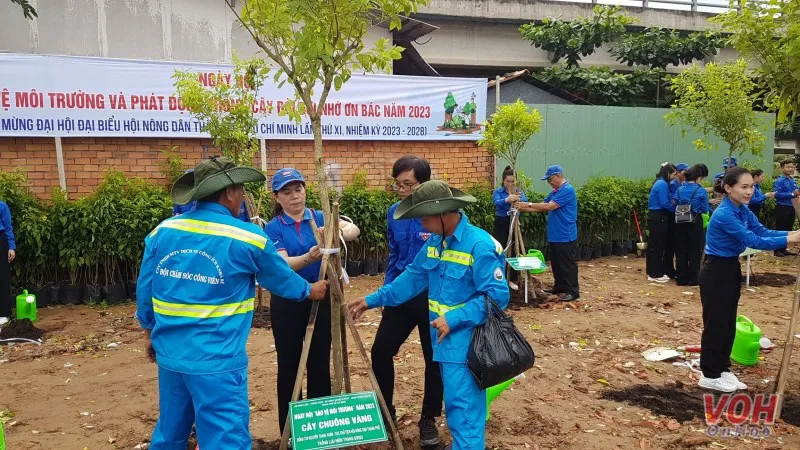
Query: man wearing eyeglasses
[[406, 238]]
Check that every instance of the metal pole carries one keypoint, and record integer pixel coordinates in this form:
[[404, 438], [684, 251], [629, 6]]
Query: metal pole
[[62, 179]]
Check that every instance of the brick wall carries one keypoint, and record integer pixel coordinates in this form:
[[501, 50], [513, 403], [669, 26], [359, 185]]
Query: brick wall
[[85, 159]]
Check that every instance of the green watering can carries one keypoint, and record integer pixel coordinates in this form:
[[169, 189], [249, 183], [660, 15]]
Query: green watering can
[[26, 307], [2, 439], [706, 217], [746, 346]]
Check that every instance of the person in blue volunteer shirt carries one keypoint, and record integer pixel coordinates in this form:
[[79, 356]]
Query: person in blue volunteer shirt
[[757, 202], [689, 236], [180, 209], [681, 170], [785, 189], [293, 236], [195, 300], [459, 265], [732, 228], [406, 238], [8, 251], [504, 198], [561, 206], [661, 213]]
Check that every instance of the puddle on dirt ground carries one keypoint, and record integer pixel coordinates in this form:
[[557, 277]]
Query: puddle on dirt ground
[[684, 405], [23, 329]]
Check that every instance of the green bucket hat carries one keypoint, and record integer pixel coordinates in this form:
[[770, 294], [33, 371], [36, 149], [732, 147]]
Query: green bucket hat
[[211, 176], [432, 198]]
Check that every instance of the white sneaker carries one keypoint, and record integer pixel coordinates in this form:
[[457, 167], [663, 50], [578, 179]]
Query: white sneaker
[[731, 378], [717, 384], [3, 321], [661, 279]]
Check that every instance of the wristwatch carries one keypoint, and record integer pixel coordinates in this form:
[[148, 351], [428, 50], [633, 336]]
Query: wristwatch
[[306, 259]]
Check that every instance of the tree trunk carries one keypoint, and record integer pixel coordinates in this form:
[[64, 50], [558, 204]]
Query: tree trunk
[[329, 239]]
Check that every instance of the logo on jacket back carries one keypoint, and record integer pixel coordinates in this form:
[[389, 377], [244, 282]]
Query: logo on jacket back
[[424, 236]]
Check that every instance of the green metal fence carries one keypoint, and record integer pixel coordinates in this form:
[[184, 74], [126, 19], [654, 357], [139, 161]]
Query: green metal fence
[[627, 142]]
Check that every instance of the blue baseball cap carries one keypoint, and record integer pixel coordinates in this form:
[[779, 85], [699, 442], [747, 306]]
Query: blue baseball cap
[[285, 176], [725, 162], [680, 167], [719, 175], [552, 170]]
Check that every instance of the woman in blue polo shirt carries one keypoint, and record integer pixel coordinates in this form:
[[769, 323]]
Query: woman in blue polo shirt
[[689, 236], [661, 213], [732, 228], [291, 232], [504, 197], [757, 202]]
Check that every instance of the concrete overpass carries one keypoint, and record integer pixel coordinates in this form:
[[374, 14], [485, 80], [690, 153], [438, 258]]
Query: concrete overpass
[[481, 37]]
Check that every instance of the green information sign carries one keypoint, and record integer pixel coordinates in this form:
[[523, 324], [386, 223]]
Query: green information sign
[[336, 421]]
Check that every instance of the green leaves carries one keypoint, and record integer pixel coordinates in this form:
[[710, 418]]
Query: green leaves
[[658, 47], [509, 129], [769, 34], [225, 108], [718, 100], [572, 40]]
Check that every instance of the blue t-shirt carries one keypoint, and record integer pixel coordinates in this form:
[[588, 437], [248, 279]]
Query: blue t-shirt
[[733, 229], [406, 238], [784, 188], [5, 225], [562, 222], [660, 198], [499, 196], [758, 196], [243, 216], [674, 185], [693, 194], [296, 239]]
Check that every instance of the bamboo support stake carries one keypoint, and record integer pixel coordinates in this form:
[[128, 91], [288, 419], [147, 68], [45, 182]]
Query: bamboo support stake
[[783, 372], [337, 300], [312, 320]]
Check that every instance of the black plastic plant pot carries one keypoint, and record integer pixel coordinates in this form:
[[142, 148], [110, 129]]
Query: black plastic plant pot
[[130, 287], [42, 294], [370, 267], [597, 251], [354, 268], [383, 265], [608, 248], [92, 294], [72, 294], [55, 294], [114, 293], [586, 253], [619, 248]]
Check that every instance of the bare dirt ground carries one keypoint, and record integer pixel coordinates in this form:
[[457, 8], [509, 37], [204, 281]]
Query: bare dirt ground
[[90, 386]]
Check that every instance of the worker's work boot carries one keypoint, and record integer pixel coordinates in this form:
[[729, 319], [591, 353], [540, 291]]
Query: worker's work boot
[[428, 433]]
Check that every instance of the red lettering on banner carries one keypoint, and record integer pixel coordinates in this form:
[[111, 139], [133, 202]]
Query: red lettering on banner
[[210, 79]]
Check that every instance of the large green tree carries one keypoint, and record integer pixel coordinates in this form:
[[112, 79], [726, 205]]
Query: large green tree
[[718, 101], [769, 33]]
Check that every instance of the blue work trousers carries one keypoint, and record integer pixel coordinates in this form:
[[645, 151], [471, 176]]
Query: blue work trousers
[[465, 407], [217, 403]]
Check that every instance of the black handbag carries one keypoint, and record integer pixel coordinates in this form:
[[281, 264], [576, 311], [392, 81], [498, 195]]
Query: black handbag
[[498, 352]]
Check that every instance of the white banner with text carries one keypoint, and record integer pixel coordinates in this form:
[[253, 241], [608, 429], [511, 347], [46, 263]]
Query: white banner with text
[[101, 97]]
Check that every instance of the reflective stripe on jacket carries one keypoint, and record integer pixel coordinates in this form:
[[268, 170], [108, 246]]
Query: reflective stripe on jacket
[[196, 288]]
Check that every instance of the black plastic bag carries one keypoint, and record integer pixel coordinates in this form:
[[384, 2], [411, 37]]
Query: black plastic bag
[[498, 352]]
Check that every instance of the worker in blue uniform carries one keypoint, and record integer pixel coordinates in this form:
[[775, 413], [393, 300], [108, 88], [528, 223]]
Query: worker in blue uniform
[[759, 197], [661, 214], [459, 265], [786, 191], [8, 251], [195, 299], [689, 234], [561, 207], [406, 238], [732, 228]]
